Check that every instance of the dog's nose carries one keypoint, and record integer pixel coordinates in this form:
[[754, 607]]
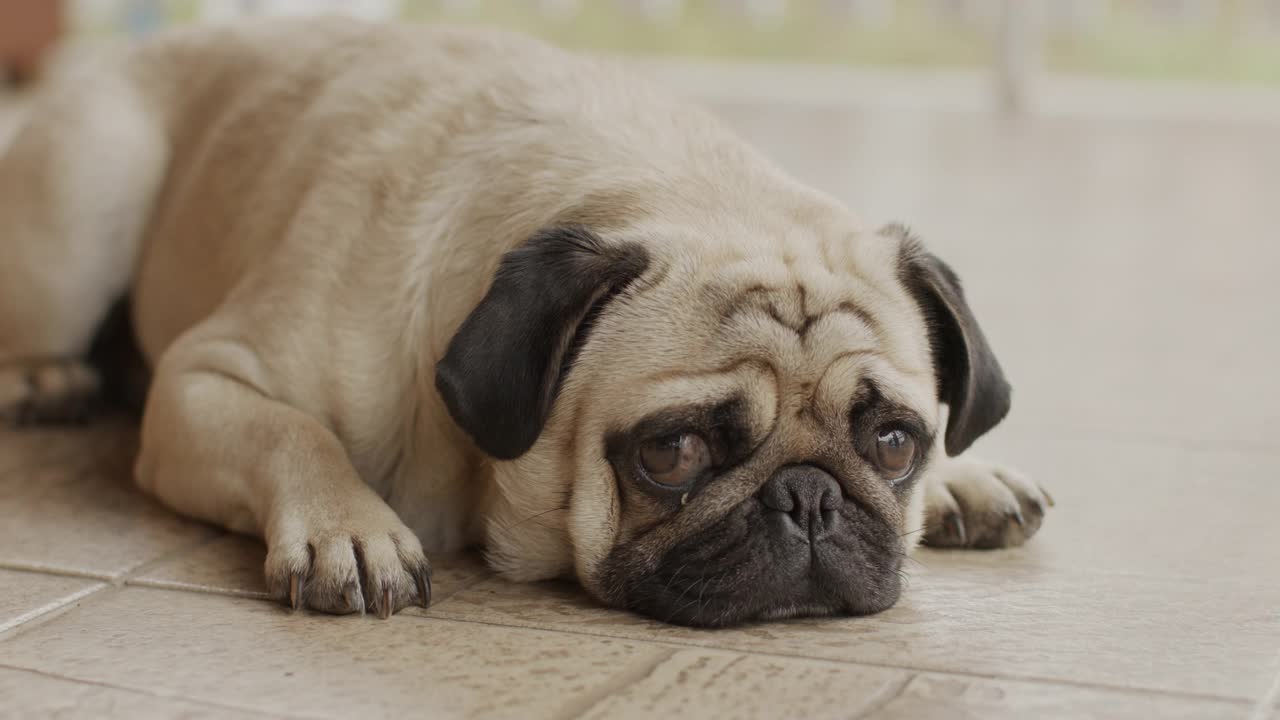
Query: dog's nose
[[802, 500]]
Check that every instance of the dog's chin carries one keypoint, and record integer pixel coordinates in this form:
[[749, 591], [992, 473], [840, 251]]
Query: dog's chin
[[738, 572]]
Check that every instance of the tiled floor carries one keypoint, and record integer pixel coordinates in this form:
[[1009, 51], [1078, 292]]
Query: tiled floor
[[1123, 267]]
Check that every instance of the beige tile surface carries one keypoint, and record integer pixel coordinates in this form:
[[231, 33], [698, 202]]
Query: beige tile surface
[[232, 564], [25, 596], [1196, 636], [81, 513], [253, 655], [699, 683], [28, 694], [948, 697]]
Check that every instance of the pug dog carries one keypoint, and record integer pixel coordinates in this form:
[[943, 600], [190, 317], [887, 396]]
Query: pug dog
[[402, 290]]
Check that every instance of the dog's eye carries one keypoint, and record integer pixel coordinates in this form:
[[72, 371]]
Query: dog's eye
[[675, 460], [895, 451]]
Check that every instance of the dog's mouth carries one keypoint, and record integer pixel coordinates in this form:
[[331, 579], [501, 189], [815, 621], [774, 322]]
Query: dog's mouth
[[754, 565]]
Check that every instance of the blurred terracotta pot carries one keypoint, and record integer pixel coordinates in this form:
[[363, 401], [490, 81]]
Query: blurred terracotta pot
[[27, 29]]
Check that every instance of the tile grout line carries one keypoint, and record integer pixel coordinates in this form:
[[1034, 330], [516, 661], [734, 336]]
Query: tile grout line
[[56, 610], [48, 612], [486, 575], [55, 571], [131, 578], [1270, 700], [145, 693], [130, 573], [882, 699], [633, 674], [863, 663], [50, 607], [179, 586], [121, 577]]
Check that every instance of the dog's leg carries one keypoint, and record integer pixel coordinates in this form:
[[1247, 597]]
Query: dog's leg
[[76, 187], [974, 503], [217, 447]]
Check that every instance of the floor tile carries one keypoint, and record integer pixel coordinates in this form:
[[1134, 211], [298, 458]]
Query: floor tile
[[1177, 635], [232, 564], [67, 502], [29, 694], [254, 655], [26, 595], [698, 683], [947, 697]]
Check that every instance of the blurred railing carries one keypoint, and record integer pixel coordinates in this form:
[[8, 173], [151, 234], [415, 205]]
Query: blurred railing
[[1015, 39], [1071, 13]]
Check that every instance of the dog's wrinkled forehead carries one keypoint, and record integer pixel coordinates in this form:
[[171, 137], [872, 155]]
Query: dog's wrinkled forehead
[[791, 326], [798, 306]]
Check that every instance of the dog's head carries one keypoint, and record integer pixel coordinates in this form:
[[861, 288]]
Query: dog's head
[[711, 430]]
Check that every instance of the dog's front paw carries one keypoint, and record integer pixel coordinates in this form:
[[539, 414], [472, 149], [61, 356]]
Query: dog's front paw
[[343, 564], [971, 503], [46, 391]]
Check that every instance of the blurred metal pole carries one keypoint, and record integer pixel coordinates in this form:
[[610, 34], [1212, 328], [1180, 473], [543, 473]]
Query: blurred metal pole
[[1020, 55]]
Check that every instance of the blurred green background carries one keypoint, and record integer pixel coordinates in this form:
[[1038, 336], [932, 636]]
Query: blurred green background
[[1230, 41]]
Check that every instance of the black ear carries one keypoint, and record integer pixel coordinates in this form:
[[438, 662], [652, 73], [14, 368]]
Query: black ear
[[504, 366], [970, 380]]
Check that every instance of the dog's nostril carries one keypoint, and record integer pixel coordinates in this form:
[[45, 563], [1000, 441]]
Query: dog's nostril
[[778, 496], [830, 499], [806, 496]]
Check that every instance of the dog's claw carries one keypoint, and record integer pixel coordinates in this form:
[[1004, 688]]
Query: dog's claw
[[1016, 516], [955, 526], [295, 590], [1048, 498], [424, 587]]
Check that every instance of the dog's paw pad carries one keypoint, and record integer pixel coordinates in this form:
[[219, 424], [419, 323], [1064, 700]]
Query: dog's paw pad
[[377, 571], [970, 503], [47, 391]]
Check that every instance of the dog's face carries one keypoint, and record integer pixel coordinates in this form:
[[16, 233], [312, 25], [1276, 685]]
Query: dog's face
[[709, 431]]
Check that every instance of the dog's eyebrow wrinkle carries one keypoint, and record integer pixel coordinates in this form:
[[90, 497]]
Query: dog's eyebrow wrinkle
[[731, 366], [732, 305], [862, 315], [645, 284], [802, 330]]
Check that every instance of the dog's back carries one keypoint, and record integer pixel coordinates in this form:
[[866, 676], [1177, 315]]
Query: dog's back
[[197, 149], [344, 119]]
